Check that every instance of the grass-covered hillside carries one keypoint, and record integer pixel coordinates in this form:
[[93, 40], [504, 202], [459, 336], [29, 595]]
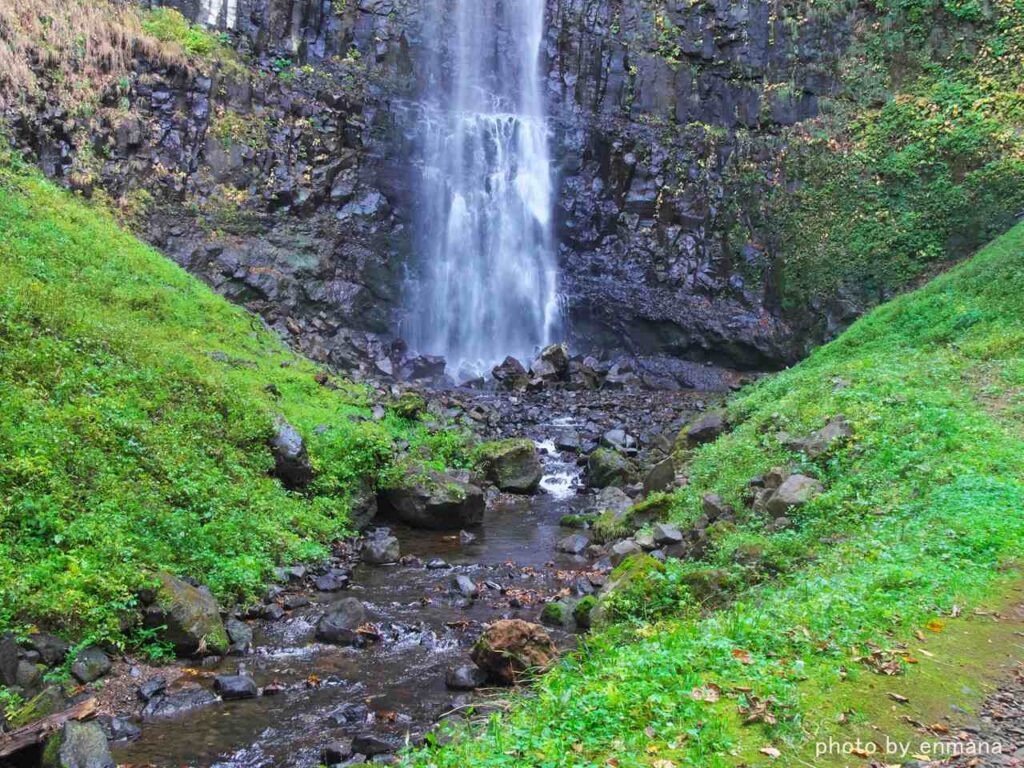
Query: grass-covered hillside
[[136, 410], [922, 518]]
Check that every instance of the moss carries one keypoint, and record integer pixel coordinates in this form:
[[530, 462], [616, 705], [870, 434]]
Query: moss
[[409, 406], [137, 412], [582, 610], [574, 521], [554, 614]]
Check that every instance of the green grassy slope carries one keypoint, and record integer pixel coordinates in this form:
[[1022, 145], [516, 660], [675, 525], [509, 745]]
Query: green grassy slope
[[923, 510], [135, 406]]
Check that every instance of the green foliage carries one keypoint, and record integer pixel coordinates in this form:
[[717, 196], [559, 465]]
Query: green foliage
[[923, 510], [169, 26], [917, 161], [137, 409]]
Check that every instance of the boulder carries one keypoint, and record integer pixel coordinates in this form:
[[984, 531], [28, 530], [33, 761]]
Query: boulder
[[557, 614], [291, 460], [512, 649], [240, 635], [704, 430], [513, 466], [381, 550], [30, 676], [666, 534], [575, 544], [623, 549], [90, 664], [555, 357], [714, 507], [796, 491], [660, 477], [836, 431], [434, 500], [606, 467], [235, 687], [511, 374], [371, 744], [339, 624], [465, 586], [175, 704], [620, 440], [117, 728], [465, 677], [78, 745], [189, 615], [634, 573], [51, 649], [336, 752]]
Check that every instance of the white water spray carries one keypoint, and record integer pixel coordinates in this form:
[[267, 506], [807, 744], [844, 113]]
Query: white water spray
[[488, 283]]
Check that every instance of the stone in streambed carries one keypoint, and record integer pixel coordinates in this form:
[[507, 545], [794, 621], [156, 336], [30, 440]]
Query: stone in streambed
[[336, 752], [514, 466], [434, 500], [512, 649], [78, 745], [117, 728], [465, 677], [51, 649], [381, 549], [371, 744], [340, 623], [178, 703], [235, 687], [575, 544], [465, 586], [511, 374]]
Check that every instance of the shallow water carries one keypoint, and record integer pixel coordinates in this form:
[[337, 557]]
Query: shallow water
[[424, 630]]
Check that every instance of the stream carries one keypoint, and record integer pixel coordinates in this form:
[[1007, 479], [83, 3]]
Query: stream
[[394, 688]]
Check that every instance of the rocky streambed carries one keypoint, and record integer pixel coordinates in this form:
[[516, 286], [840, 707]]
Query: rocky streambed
[[358, 657]]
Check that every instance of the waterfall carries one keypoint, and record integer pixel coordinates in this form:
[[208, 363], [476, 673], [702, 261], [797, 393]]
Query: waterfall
[[487, 282]]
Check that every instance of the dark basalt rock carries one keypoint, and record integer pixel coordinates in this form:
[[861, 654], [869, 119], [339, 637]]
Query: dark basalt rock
[[340, 623], [434, 500], [78, 745], [90, 664], [291, 460], [178, 703], [189, 617], [234, 687], [465, 677]]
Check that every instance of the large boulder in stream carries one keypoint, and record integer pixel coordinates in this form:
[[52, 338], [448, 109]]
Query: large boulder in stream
[[189, 615], [434, 500], [340, 624], [606, 467], [512, 649], [513, 466], [510, 374]]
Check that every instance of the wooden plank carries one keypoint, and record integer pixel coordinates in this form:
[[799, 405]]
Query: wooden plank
[[37, 732]]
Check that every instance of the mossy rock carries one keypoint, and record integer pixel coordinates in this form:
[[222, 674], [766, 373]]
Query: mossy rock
[[44, 704], [631, 579], [512, 465], [583, 610], [579, 522], [606, 467], [619, 523], [710, 586], [556, 614], [189, 615], [409, 406]]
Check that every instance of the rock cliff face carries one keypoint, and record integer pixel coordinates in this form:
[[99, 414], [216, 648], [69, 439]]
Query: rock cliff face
[[284, 180]]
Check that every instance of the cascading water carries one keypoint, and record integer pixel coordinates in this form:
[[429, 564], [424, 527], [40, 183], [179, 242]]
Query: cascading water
[[488, 278]]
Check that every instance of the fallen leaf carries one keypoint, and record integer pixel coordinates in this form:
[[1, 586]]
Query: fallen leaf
[[899, 698], [772, 752], [742, 656], [935, 625]]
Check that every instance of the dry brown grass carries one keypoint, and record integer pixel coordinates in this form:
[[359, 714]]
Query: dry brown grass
[[71, 45]]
